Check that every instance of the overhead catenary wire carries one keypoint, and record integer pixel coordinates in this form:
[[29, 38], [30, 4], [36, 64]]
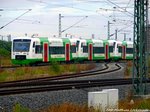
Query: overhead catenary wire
[[74, 24], [127, 4], [126, 12], [15, 18], [122, 29]]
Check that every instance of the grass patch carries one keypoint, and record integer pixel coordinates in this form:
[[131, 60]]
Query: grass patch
[[136, 104], [19, 108], [130, 103], [5, 61], [69, 107], [128, 69], [4, 75], [34, 72]]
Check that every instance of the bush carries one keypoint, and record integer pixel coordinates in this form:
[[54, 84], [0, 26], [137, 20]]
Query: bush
[[5, 48], [20, 108], [144, 105], [55, 66], [4, 52]]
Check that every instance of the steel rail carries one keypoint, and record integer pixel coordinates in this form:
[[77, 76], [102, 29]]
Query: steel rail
[[53, 77], [66, 86], [38, 81]]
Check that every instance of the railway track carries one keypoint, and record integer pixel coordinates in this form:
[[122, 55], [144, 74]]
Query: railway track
[[57, 83], [64, 85], [36, 81]]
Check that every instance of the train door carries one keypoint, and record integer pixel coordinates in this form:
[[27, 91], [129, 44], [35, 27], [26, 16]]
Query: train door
[[90, 51], [123, 52], [45, 52], [67, 52], [106, 51]]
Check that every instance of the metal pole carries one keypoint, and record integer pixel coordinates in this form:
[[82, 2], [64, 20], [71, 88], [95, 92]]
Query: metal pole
[[116, 32], [139, 55], [124, 36], [108, 30], [59, 25]]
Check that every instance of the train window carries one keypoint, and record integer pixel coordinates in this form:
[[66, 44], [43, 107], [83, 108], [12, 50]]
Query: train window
[[111, 48], [78, 42], [120, 49], [57, 50], [73, 49], [33, 44], [98, 49], [129, 50], [38, 49], [85, 49], [114, 44]]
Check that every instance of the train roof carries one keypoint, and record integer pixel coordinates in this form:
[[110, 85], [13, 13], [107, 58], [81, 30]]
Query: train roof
[[22, 38]]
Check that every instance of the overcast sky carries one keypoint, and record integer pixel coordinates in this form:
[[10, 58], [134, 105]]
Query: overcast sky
[[43, 18]]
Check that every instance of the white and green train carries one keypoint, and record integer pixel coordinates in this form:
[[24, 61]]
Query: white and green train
[[27, 50]]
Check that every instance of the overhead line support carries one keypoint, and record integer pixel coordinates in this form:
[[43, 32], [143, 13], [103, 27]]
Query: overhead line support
[[139, 56]]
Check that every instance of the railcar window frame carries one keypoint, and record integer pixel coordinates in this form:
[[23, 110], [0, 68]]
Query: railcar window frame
[[53, 50], [38, 49], [111, 48], [78, 43], [85, 48], [119, 49], [98, 50], [73, 49], [129, 50]]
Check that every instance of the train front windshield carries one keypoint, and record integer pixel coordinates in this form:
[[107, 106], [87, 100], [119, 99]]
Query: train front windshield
[[21, 45]]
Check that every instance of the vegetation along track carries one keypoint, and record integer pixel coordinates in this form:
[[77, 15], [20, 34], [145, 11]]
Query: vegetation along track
[[55, 83], [41, 65]]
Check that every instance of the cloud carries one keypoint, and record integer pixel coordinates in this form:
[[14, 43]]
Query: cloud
[[44, 16]]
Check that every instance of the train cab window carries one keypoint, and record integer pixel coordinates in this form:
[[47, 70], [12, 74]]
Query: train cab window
[[98, 49], [57, 50], [129, 50], [73, 49], [38, 49], [21, 45]]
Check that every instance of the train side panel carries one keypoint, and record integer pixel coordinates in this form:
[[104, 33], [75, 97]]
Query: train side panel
[[82, 50], [98, 50], [128, 50]]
